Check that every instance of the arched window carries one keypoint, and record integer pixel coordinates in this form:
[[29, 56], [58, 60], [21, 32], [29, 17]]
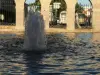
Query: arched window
[[7, 12], [57, 14], [83, 11]]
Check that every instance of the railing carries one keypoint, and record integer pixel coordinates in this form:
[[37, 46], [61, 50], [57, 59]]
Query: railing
[[7, 12]]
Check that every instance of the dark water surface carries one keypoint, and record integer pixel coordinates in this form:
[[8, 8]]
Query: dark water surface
[[84, 60]]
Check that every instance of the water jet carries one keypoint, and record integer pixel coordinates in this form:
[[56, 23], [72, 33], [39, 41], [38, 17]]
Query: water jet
[[35, 38]]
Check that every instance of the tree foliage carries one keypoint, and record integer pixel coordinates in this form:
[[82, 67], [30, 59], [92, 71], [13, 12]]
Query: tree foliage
[[78, 8], [37, 4]]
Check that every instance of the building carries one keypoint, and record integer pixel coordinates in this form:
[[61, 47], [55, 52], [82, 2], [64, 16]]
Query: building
[[87, 10], [63, 17], [70, 21]]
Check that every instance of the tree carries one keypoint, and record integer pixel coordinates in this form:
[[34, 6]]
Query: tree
[[38, 5], [78, 8]]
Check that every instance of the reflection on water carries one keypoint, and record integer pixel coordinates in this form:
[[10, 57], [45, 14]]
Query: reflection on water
[[84, 36], [87, 62]]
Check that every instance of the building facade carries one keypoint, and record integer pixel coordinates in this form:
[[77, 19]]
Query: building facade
[[45, 4]]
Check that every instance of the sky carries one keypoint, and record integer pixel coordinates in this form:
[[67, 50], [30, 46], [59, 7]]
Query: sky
[[79, 1], [84, 1], [29, 1]]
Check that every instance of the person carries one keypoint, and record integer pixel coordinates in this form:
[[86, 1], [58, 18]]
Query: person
[[88, 21]]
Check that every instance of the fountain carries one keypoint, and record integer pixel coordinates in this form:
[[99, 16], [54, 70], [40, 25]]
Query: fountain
[[35, 38]]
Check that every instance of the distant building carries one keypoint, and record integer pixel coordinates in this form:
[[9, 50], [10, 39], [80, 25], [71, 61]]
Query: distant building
[[63, 17], [87, 10]]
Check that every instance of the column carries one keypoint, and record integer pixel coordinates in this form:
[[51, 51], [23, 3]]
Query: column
[[45, 12], [70, 14], [96, 15], [20, 15], [70, 19]]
